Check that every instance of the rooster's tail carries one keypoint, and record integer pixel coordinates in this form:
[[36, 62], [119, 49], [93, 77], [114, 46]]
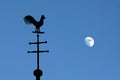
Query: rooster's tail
[[29, 19]]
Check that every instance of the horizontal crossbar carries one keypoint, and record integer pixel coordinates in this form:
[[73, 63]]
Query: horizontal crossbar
[[38, 51], [38, 32], [37, 42]]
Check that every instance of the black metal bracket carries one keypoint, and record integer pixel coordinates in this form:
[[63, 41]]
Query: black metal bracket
[[37, 42], [38, 32], [38, 51]]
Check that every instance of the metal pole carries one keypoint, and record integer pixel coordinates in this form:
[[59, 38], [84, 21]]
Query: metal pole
[[38, 50]]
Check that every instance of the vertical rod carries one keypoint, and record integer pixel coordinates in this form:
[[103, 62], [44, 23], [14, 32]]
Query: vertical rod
[[37, 50]]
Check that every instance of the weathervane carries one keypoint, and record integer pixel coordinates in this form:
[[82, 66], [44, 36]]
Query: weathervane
[[30, 20]]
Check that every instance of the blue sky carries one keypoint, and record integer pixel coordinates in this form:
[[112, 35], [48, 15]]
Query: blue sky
[[67, 23]]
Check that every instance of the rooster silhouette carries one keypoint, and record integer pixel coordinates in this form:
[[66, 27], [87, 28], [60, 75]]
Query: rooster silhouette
[[30, 20]]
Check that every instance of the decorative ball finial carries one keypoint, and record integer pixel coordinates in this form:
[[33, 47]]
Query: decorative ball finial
[[37, 73]]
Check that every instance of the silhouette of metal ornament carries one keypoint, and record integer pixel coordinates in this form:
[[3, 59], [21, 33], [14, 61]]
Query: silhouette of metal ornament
[[30, 20]]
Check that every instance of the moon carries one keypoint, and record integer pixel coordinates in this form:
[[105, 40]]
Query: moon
[[89, 41]]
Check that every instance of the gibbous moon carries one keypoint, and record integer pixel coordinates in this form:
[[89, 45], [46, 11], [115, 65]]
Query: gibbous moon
[[89, 41]]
